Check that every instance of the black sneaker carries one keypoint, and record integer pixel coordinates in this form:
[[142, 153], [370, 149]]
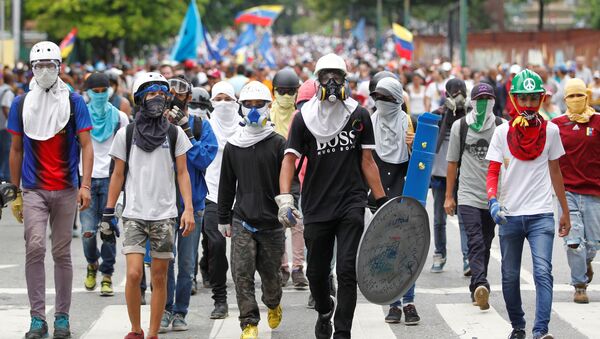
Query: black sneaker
[[411, 317], [311, 302], [38, 329], [324, 327], [394, 315], [517, 333], [221, 311]]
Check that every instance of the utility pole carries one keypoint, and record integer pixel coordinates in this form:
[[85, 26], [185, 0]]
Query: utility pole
[[407, 14], [16, 18], [379, 15], [463, 32]]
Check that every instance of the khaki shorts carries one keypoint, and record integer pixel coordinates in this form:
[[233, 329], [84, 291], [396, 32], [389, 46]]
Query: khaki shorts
[[160, 233]]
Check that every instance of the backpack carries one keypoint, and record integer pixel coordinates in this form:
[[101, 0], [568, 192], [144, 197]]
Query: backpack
[[463, 135]]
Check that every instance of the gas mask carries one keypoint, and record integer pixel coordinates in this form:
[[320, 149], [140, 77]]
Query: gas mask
[[455, 103], [155, 107], [256, 116], [332, 91], [45, 77]]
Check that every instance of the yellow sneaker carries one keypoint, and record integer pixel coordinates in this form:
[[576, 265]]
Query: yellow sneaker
[[274, 316], [250, 332], [90, 278], [106, 289]]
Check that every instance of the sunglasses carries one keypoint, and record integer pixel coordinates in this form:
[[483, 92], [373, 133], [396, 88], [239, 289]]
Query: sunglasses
[[49, 65], [533, 97], [196, 105], [286, 91], [179, 86], [381, 97], [337, 77], [249, 104]]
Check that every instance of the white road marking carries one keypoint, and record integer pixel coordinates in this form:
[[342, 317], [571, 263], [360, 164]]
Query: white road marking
[[583, 317], [230, 327], [7, 266], [369, 323], [16, 320], [469, 321], [118, 320]]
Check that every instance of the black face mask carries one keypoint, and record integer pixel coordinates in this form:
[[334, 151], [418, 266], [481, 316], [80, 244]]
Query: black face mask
[[155, 107], [333, 91], [175, 101]]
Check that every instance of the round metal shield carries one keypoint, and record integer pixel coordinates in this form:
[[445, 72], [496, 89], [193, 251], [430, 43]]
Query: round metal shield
[[393, 250]]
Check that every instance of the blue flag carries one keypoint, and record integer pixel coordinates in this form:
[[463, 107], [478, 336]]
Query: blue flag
[[190, 35], [222, 44], [265, 50], [248, 37], [359, 30], [212, 53]]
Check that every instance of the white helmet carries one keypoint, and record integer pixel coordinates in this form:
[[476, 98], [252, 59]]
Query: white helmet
[[146, 78], [255, 90], [45, 50], [330, 61], [515, 69]]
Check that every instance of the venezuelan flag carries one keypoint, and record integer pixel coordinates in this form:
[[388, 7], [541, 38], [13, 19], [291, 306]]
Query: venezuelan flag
[[403, 39], [67, 44], [263, 15]]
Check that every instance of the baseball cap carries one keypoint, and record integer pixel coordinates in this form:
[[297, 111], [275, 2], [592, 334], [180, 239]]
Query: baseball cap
[[482, 88], [214, 73]]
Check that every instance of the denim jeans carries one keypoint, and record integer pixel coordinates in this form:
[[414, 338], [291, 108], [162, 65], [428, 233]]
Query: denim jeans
[[407, 298], [438, 190], [5, 141], [585, 232], [185, 249], [90, 218], [539, 232]]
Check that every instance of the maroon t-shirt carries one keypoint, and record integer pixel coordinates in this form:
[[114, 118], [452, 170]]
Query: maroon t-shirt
[[580, 166]]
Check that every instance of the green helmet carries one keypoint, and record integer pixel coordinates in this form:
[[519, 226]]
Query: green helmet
[[526, 82]]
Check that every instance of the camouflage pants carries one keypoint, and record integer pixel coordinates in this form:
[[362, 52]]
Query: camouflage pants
[[250, 252], [160, 232]]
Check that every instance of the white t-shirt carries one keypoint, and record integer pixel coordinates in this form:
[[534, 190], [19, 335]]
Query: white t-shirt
[[417, 100], [101, 158], [213, 172], [435, 92], [150, 185], [526, 185]]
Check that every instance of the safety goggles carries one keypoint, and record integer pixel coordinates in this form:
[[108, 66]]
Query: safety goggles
[[179, 86], [337, 76], [381, 97], [249, 104], [50, 65], [198, 105], [529, 96], [153, 88], [286, 91]]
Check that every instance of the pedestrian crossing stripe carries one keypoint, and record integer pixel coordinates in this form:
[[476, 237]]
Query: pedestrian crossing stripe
[[16, 320], [583, 317], [117, 317], [470, 322]]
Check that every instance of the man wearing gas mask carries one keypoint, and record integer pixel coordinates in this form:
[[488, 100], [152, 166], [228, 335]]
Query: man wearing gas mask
[[580, 167], [150, 150], [469, 141], [453, 109], [335, 134], [529, 148], [249, 175], [50, 127], [199, 157]]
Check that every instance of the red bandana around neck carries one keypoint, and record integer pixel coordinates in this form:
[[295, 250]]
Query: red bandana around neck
[[527, 143]]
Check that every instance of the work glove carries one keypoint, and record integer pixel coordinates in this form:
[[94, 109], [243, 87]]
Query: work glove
[[109, 227], [17, 207], [288, 214], [178, 117], [378, 203], [225, 230], [497, 211]]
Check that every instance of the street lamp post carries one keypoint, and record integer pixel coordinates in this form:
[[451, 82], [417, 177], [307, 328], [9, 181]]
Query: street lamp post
[[463, 32]]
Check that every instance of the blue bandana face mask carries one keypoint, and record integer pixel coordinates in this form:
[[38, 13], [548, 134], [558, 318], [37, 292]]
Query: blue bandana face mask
[[98, 101]]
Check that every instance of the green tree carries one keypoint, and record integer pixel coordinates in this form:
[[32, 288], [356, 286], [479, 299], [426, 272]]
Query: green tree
[[589, 10], [103, 23]]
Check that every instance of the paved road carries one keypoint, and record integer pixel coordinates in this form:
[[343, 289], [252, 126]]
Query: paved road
[[442, 301]]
